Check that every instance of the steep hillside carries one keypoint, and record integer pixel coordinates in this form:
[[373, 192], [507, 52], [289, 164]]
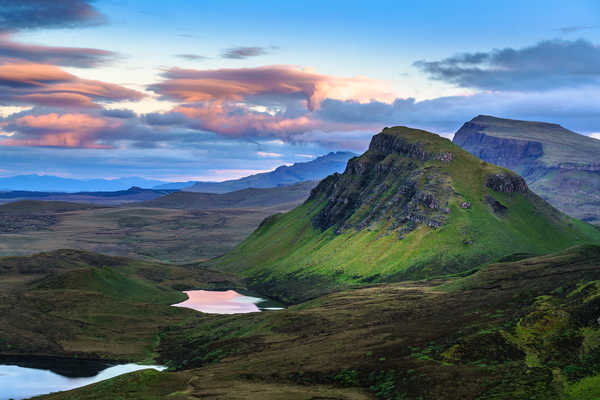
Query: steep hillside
[[563, 167], [282, 195], [414, 205], [314, 170]]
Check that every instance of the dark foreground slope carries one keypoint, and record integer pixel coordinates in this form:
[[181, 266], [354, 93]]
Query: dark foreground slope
[[78, 304], [561, 166], [414, 205], [521, 330]]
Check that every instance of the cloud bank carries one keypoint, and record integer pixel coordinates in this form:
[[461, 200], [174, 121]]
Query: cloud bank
[[548, 65]]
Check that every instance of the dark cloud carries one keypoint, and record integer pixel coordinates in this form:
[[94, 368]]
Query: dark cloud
[[121, 114], [239, 53], [192, 57], [66, 56], [164, 119], [547, 65], [35, 14]]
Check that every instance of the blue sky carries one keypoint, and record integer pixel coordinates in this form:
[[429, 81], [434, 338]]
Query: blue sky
[[214, 90]]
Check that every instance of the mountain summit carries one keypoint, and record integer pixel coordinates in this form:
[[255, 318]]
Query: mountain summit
[[414, 205], [560, 165]]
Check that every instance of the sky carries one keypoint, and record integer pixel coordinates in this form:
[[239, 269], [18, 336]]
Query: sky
[[215, 90]]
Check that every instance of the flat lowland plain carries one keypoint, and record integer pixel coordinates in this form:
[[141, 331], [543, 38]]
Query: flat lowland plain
[[155, 234]]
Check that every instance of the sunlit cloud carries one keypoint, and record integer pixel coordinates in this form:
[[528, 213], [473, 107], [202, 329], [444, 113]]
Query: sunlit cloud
[[56, 130], [48, 85], [193, 86], [268, 154]]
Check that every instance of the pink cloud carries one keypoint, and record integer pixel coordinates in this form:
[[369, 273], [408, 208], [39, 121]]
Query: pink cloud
[[234, 121], [11, 51], [228, 84], [48, 85], [59, 130]]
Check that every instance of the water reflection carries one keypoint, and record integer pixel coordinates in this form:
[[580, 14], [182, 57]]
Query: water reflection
[[225, 302]]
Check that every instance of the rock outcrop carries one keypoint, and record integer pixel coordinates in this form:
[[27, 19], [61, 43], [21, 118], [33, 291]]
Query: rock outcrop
[[387, 185]]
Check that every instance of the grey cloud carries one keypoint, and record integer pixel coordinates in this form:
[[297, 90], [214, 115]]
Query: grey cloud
[[67, 56], [239, 53], [547, 65], [120, 114], [192, 57], [576, 28], [35, 14]]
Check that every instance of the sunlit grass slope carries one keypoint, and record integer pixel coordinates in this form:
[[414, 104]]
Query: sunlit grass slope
[[292, 257]]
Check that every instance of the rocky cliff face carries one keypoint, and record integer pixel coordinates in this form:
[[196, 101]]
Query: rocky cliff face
[[559, 165], [398, 184], [518, 155]]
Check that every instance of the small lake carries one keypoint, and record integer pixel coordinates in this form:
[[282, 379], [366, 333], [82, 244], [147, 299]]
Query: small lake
[[27, 378], [226, 302]]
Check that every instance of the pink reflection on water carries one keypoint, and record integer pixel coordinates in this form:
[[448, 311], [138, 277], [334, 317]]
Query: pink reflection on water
[[214, 302]]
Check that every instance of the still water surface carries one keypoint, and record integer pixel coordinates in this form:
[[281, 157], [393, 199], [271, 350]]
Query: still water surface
[[226, 302], [24, 381]]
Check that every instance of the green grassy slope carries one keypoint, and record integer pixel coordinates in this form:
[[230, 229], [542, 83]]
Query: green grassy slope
[[390, 232]]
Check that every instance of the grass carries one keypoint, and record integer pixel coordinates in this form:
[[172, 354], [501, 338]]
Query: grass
[[152, 234], [291, 259], [409, 340], [140, 385], [77, 304]]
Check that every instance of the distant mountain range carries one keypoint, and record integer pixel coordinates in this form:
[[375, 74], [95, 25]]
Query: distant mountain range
[[49, 183], [246, 198], [131, 195], [314, 170], [561, 166], [284, 175]]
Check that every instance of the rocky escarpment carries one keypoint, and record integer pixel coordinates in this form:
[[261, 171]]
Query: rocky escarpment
[[413, 206], [397, 184], [559, 165], [389, 185], [518, 155]]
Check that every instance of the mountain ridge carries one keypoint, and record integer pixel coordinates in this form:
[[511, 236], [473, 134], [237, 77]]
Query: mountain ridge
[[316, 169], [413, 206], [560, 165]]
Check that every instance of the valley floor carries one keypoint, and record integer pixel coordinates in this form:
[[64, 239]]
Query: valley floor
[[525, 328]]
